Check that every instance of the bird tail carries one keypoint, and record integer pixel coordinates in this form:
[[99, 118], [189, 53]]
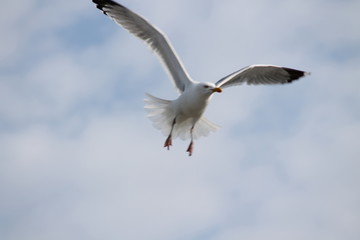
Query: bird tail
[[159, 112], [162, 116]]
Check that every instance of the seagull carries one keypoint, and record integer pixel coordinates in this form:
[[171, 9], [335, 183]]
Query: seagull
[[183, 117]]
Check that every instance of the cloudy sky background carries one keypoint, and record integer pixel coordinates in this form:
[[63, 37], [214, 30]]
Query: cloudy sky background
[[80, 160]]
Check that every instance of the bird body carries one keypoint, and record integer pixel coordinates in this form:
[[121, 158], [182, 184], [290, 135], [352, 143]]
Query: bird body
[[183, 117], [193, 101], [180, 116]]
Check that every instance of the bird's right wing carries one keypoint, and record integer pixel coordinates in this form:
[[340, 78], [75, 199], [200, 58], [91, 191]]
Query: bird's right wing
[[142, 29], [261, 74]]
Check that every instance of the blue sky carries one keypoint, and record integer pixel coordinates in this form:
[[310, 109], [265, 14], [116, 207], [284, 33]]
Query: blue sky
[[80, 160]]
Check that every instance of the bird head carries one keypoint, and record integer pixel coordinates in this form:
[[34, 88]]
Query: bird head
[[209, 88]]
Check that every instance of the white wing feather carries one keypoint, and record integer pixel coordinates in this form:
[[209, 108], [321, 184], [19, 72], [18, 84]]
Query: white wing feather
[[141, 28], [261, 74]]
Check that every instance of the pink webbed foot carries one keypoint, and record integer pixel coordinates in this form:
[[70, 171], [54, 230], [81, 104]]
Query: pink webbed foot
[[190, 148], [168, 143]]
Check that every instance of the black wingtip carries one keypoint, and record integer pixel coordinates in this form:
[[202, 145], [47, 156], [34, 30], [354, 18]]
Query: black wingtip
[[295, 74], [100, 4]]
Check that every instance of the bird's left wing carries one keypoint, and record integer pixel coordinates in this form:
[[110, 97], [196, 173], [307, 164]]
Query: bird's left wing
[[141, 28], [261, 74]]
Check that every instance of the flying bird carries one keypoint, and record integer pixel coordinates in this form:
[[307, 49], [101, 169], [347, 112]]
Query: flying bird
[[183, 117]]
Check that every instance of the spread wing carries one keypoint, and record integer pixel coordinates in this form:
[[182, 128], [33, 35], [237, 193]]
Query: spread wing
[[261, 74], [141, 28]]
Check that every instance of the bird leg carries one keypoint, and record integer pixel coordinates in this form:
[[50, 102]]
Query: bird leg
[[168, 141], [190, 148], [191, 145]]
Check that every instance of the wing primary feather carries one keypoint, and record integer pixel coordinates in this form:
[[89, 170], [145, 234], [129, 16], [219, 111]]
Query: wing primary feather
[[294, 74], [141, 28], [261, 74]]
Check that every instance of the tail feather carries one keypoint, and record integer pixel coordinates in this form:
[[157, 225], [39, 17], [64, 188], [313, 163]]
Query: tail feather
[[159, 112], [162, 116], [203, 127]]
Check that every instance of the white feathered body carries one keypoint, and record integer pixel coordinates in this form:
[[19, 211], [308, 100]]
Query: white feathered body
[[187, 110]]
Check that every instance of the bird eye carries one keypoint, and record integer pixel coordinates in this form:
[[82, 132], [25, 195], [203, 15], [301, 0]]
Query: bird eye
[[206, 86]]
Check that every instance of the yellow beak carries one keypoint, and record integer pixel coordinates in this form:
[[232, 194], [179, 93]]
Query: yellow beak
[[217, 89]]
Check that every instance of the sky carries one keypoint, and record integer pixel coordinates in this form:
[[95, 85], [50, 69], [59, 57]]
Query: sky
[[80, 160]]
